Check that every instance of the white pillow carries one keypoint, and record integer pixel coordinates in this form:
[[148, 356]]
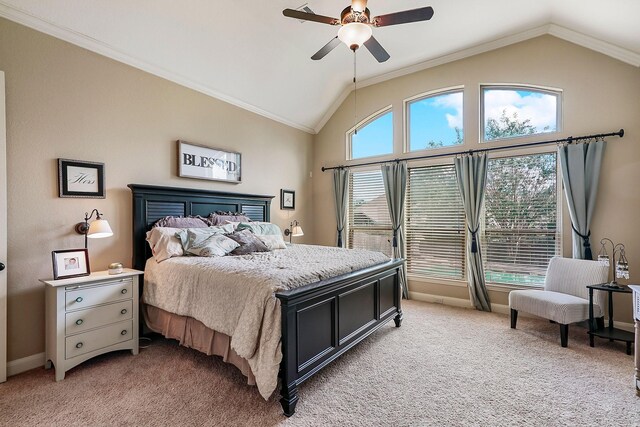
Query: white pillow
[[164, 243], [272, 241]]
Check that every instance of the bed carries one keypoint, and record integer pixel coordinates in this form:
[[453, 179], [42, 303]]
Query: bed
[[318, 321]]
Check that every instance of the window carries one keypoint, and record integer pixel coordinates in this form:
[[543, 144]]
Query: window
[[435, 223], [369, 223], [435, 121], [521, 219], [509, 112], [374, 137]]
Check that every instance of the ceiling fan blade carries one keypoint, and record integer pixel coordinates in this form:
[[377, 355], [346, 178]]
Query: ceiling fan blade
[[297, 14], [404, 17], [376, 49], [326, 49]]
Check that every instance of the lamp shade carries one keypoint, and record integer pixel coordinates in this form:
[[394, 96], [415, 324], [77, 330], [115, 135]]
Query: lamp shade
[[296, 231], [354, 34], [99, 228]]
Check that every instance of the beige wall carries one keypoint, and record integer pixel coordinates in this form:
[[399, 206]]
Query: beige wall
[[64, 101], [600, 94]]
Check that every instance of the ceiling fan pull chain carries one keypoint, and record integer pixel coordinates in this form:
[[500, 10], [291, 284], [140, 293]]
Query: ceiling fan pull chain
[[355, 95]]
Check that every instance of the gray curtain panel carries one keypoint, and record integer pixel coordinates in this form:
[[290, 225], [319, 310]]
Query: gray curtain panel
[[580, 165], [340, 181], [394, 176], [471, 174]]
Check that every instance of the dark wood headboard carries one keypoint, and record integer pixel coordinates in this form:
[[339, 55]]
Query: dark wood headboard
[[150, 203]]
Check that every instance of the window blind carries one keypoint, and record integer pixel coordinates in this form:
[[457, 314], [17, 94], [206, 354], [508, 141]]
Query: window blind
[[435, 223], [521, 230], [369, 222]]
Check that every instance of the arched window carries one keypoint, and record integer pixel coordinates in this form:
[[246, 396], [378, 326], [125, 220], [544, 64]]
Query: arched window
[[374, 136], [518, 111], [435, 120]]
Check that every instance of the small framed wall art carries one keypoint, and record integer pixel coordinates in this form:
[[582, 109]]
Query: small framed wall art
[[287, 199], [78, 178], [70, 263], [199, 161]]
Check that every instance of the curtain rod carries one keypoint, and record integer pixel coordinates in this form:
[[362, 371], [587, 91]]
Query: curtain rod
[[568, 140]]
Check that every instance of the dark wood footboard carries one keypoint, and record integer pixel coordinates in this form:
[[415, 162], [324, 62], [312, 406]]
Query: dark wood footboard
[[325, 319]]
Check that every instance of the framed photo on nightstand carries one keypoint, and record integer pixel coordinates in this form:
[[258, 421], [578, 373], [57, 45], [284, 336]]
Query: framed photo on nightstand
[[70, 263], [287, 199]]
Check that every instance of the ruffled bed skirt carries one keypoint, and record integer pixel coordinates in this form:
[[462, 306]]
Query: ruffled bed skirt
[[194, 334]]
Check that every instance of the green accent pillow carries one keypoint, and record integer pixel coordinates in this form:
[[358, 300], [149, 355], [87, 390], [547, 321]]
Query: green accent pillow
[[182, 235], [260, 228], [207, 242]]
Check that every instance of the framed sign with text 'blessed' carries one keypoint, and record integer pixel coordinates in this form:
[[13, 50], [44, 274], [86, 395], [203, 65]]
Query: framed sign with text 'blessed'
[[202, 162]]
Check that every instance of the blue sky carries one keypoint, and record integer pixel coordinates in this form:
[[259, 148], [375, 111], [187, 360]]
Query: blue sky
[[538, 107], [375, 139], [435, 119]]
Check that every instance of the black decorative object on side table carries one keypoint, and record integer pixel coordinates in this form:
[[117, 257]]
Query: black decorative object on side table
[[609, 331]]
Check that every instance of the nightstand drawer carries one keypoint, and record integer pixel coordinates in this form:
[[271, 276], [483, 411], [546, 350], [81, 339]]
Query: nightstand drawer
[[83, 320], [100, 338], [94, 295]]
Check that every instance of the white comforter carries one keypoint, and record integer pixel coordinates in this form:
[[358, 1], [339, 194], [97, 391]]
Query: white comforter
[[235, 294]]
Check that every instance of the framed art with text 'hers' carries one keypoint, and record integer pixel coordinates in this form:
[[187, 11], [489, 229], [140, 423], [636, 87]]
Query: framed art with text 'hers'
[[202, 162], [77, 178]]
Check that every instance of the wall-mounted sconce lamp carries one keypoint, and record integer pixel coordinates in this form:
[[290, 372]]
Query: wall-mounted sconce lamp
[[294, 230], [96, 230]]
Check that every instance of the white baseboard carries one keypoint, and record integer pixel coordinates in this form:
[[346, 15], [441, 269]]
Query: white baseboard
[[454, 302], [495, 308], [629, 327], [25, 364], [439, 299]]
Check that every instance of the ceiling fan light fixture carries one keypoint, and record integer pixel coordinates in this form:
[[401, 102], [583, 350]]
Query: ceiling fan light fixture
[[358, 6], [355, 34]]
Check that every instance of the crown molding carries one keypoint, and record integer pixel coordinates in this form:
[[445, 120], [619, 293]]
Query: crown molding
[[621, 54], [616, 52], [29, 20]]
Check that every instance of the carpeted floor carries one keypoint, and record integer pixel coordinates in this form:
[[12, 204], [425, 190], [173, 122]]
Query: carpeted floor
[[444, 367]]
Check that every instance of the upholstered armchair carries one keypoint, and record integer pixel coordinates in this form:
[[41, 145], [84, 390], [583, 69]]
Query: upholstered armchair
[[565, 298]]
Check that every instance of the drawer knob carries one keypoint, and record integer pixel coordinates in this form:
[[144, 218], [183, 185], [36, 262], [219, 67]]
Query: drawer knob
[[79, 322], [79, 345], [124, 332], [123, 311], [79, 299], [124, 291]]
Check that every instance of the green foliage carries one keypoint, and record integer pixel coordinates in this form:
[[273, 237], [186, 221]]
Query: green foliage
[[507, 127], [521, 212], [437, 144], [521, 192]]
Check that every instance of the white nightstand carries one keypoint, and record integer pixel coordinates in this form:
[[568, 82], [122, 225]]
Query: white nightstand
[[90, 315]]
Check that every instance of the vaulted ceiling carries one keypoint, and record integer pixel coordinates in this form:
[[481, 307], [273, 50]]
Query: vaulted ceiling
[[249, 54]]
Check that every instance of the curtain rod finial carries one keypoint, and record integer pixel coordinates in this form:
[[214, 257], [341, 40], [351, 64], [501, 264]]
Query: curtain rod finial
[[621, 133]]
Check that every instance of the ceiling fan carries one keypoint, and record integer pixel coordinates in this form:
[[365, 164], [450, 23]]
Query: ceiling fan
[[356, 26]]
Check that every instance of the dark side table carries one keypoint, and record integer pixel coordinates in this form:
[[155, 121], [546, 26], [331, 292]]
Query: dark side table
[[609, 332]]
